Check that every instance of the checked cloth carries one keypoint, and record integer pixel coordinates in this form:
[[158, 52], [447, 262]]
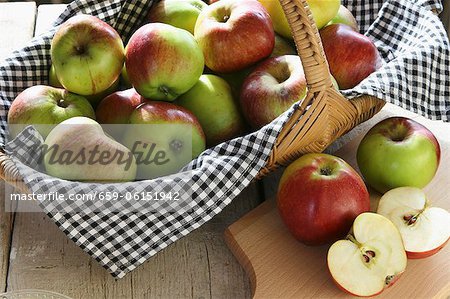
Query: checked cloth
[[122, 235]]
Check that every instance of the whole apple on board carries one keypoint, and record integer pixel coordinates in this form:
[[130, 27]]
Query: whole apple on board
[[351, 56], [182, 14], [424, 229], [44, 106], [370, 259], [322, 10], [211, 101], [319, 197], [163, 61], [234, 34], [398, 152], [69, 153], [274, 86], [164, 138], [87, 54]]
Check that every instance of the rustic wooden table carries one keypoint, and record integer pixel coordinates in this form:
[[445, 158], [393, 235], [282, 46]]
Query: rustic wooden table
[[34, 254]]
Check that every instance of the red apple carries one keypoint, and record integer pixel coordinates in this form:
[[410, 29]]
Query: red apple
[[425, 229], [117, 107], [162, 61], [234, 34], [272, 88], [319, 197], [352, 57]]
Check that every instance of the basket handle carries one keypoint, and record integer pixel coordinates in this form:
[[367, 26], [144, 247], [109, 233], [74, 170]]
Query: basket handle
[[309, 45]]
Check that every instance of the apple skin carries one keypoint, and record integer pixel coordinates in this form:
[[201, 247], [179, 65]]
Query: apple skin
[[211, 101], [225, 29], [182, 14], [425, 254], [118, 107], [163, 61], [398, 152], [84, 134], [351, 56], [87, 54], [282, 47], [344, 16], [46, 106], [271, 89], [93, 99], [177, 127], [319, 197], [323, 12]]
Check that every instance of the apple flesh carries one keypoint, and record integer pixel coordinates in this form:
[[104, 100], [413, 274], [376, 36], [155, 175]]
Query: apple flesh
[[226, 29], [271, 89], [182, 14], [75, 139], [163, 137], [211, 101], [87, 54], [425, 229], [398, 152], [351, 56], [44, 106], [370, 259], [319, 197], [163, 62]]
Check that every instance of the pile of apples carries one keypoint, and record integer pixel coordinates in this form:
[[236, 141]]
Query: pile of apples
[[322, 199], [215, 70]]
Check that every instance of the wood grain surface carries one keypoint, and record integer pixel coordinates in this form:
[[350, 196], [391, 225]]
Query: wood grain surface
[[281, 267]]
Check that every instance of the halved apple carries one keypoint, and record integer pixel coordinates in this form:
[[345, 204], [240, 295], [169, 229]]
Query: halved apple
[[424, 229], [370, 259]]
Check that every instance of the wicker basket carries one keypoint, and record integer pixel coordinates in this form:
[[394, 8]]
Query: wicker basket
[[322, 117]]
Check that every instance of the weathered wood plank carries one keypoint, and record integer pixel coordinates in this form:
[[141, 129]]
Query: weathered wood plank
[[199, 265], [15, 31], [16, 25], [46, 15]]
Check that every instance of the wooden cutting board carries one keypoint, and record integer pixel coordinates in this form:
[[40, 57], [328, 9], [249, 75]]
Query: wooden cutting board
[[281, 267]]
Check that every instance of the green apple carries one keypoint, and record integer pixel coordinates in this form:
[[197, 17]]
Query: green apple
[[211, 101], [182, 14], [87, 54], [77, 149], [163, 61], [93, 99], [398, 152], [44, 106], [163, 137], [323, 11], [344, 16], [282, 47]]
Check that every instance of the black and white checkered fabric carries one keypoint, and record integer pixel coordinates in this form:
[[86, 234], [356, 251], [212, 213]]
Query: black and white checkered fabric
[[415, 75]]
